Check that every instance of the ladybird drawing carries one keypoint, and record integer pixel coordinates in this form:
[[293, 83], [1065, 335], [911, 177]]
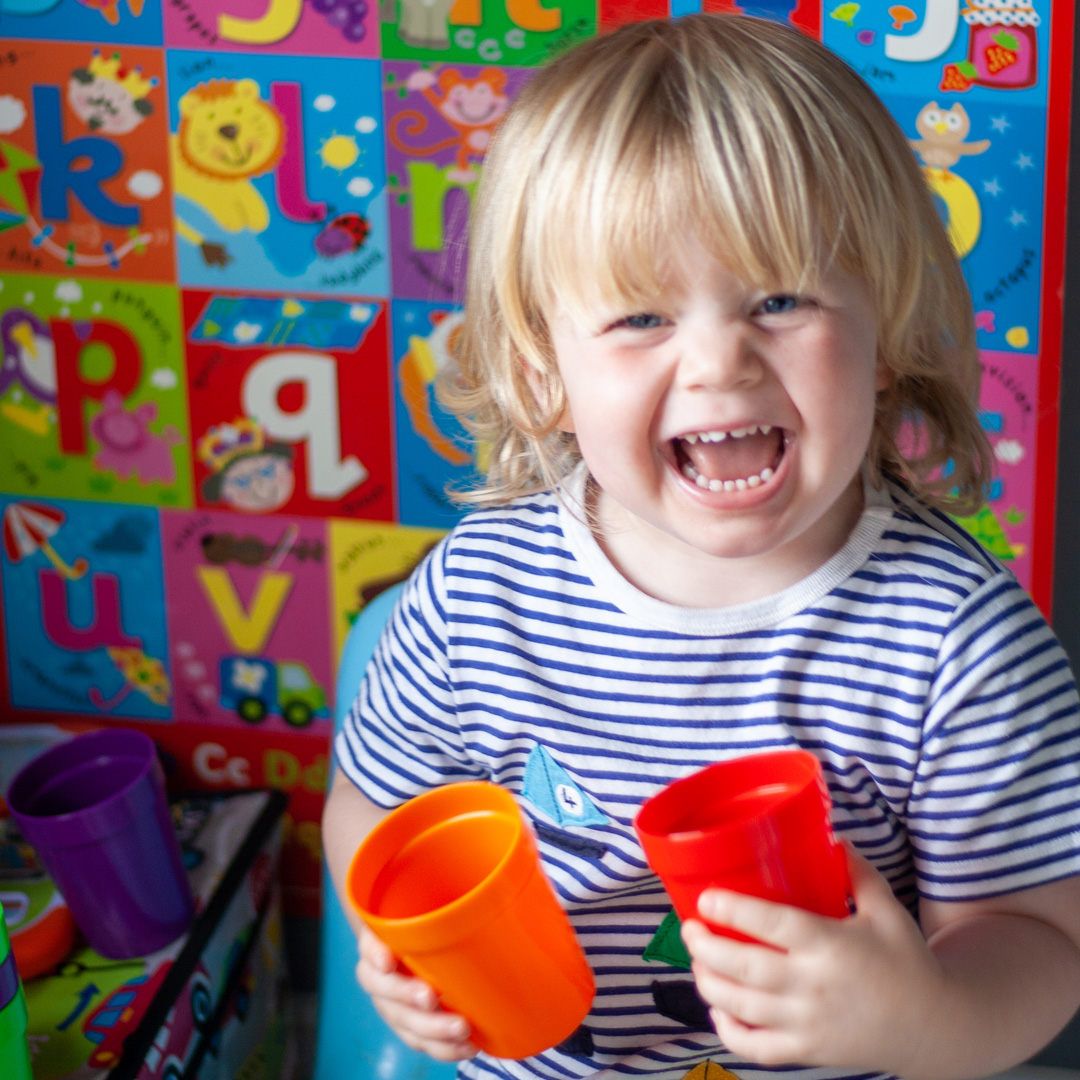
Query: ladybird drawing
[[345, 234]]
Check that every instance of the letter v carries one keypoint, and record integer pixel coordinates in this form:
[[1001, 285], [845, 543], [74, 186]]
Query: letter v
[[247, 630]]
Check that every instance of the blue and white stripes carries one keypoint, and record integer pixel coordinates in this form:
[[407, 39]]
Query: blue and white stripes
[[914, 666]]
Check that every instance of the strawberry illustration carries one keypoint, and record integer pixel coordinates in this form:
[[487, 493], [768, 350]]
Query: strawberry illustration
[[1002, 53], [958, 77]]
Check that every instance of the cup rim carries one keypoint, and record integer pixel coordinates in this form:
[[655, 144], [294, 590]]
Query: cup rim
[[458, 908], [141, 745], [800, 765]]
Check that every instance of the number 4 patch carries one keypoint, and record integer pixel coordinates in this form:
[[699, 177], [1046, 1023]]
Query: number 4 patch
[[549, 788]]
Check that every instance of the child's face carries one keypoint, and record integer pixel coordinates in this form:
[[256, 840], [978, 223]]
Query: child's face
[[723, 420]]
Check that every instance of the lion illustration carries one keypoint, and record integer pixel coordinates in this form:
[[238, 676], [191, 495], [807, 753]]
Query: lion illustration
[[227, 135]]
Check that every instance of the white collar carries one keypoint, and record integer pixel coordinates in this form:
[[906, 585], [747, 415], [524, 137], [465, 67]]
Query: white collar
[[716, 622]]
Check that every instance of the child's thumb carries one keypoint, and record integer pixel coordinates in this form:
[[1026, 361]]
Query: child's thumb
[[870, 888]]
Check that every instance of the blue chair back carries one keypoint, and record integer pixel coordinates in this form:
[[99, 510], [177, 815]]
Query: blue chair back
[[353, 1043]]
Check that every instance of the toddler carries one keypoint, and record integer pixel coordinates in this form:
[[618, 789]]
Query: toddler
[[722, 353]]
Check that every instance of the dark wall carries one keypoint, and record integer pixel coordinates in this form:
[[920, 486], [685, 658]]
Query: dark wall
[[1066, 602], [1065, 1050]]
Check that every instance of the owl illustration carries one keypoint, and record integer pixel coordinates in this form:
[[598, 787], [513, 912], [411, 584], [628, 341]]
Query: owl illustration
[[943, 133]]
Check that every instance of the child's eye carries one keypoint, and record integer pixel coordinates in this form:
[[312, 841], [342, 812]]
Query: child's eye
[[642, 321], [781, 304]]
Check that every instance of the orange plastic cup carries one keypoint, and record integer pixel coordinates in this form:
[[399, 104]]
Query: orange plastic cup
[[451, 882]]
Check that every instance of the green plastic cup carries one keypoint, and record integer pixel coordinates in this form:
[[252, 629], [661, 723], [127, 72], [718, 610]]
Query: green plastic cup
[[14, 1049]]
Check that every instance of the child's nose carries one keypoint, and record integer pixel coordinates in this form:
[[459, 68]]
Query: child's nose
[[719, 356]]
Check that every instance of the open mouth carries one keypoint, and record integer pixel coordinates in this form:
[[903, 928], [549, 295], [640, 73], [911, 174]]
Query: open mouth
[[732, 460]]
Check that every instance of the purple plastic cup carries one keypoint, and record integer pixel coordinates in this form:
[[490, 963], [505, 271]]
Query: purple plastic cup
[[94, 808]]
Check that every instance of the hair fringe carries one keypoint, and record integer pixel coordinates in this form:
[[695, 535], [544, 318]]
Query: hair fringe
[[762, 139]]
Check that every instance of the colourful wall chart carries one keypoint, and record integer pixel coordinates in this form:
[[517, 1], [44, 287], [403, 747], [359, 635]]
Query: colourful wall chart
[[233, 238]]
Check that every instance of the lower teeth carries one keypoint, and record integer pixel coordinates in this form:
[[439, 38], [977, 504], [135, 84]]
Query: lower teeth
[[727, 485]]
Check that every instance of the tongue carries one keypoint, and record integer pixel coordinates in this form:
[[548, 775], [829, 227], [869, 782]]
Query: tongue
[[734, 459]]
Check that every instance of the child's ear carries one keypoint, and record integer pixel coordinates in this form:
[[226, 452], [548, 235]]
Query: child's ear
[[884, 378], [541, 385]]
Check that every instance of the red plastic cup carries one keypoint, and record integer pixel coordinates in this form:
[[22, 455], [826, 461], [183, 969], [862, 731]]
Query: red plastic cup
[[757, 825], [451, 882]]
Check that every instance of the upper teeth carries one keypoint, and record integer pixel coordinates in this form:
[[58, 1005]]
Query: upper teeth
[[735, 433]]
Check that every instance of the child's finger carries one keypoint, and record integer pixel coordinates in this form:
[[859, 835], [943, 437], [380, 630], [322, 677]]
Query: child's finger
[[752, 1007], [759, 1044], [411, 1007], [442, 1051], [440, 1034], [395, 986], [380, 975], [779, 925], [741, 962], [375, 952], [428, 1027]]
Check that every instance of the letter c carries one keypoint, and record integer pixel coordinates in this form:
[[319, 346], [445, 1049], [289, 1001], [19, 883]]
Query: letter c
[[232, 770]]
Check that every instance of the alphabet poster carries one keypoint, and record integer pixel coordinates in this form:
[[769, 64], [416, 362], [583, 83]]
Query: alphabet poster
[[93, 402], [316, 28], [248, 619], [434, 452], [439, 121], [980, 172], [1008, 415], [367, 558], [969, 83], [290, 404], [233, 248], [278, 170], [83, 583], [84, 180], [119, 22], [513, 33]]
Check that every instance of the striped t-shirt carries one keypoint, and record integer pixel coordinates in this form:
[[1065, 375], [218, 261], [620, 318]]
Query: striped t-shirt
[[912, 664]]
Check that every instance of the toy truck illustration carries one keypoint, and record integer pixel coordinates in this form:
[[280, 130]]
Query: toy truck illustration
[[256, 687]]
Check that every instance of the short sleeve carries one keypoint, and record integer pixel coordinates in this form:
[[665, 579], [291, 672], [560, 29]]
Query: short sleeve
[[401, 736], [995, 803]]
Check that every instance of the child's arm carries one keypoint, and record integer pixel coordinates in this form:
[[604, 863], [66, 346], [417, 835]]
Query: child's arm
[[990, 983], [408, 1005]]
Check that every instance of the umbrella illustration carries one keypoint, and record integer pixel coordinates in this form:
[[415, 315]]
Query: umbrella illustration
[[141, 672], [28, 527]]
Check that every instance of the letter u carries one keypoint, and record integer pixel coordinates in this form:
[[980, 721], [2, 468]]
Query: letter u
[[104, 630]]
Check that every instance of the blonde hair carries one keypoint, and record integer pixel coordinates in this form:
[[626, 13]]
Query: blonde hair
[[757, 141]]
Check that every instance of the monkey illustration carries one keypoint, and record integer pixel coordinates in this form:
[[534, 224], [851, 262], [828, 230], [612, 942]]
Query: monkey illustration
[[472, 107]]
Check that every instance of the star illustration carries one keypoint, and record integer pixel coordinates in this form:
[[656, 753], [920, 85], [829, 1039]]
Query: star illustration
[[999, 123], [992, 187], [1016, 219], [1023, 161]]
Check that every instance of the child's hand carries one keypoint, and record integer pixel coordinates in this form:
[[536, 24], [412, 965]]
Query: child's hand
[[409, 1005], [861, 991]]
